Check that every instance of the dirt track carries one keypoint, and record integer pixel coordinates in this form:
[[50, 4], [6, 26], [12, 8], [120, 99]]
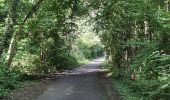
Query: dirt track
[[81, 83]]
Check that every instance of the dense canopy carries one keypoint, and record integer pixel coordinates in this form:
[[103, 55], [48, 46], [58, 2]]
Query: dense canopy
[[47, 36]]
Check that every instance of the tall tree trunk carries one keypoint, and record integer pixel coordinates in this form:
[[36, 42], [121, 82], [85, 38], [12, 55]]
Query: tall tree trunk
[[13, 43], [159, 9], [7, 32], [10, 23], [167, 5], [146, 28], [11, 50]]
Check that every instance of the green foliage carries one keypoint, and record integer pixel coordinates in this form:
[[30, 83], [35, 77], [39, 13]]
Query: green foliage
[[64, 62], [50, 35], [135, 34], [153, 75], [7, 82], [41, 36], [141, 89], [125, 91], [8, 79], [106, 65]]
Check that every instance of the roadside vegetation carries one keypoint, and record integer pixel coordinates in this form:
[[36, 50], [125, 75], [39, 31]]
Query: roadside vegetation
[[39, 37], [136, 38], [42, 37]]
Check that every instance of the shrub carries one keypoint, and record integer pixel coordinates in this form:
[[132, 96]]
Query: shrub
[[8, 80]]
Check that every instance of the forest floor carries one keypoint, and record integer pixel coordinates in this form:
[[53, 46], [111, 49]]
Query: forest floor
[[83, 83]]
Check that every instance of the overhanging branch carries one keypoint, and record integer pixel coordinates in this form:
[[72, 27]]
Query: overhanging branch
[[33, 9]]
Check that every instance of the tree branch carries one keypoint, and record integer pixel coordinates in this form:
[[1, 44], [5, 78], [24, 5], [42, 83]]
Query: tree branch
[[33, 9]]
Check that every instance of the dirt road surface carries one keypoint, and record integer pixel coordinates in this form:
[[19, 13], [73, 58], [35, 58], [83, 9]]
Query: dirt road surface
[[82, 83]]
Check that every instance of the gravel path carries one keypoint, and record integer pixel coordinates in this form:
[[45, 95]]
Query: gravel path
[[82, 83]]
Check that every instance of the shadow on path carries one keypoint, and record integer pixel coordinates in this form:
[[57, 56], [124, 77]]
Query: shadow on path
[[82, 83]]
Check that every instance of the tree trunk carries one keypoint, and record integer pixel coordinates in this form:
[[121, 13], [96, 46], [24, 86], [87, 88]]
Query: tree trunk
[[7, 32], [167, 5], [146, 28], [13, 43], [10, 23], [11, 50], [159, 10]]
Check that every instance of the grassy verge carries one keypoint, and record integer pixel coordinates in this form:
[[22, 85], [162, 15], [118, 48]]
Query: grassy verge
[[123, 87], [139, 89], [6, 92], [125, 91]]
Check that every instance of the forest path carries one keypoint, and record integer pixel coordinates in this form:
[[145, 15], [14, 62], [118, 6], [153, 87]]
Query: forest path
[[82, 83]]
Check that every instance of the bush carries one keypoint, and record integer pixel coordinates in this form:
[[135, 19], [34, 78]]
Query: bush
[[65, 62], [144, 87], [8, 80]]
